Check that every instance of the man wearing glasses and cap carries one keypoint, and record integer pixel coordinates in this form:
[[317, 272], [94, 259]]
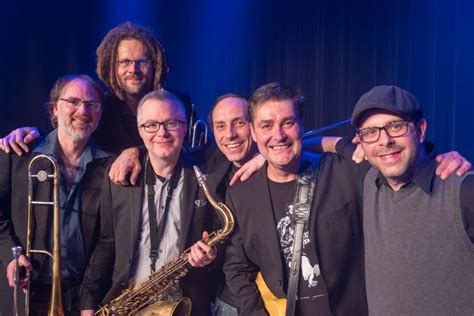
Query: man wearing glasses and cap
[[418, 229]]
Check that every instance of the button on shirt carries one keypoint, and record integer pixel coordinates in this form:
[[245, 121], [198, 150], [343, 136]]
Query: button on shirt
[[73, 255]]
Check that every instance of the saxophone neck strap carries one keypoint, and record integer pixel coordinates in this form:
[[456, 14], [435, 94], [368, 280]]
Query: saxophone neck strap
[[157, 229], [305, 186]]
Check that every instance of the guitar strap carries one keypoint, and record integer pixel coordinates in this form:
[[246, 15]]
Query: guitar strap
[[305, 185]]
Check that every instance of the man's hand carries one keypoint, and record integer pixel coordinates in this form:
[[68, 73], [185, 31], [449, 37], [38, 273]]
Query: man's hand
[[359, 155], [128, 163], [248, 169], [23, 262], [201, 254], [451, 162], [87, 312], [18, 140]]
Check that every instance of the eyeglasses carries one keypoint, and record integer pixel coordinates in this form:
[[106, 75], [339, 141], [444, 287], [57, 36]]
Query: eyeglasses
[[141, 63], [393, 129], [154, 126], [75, 103]]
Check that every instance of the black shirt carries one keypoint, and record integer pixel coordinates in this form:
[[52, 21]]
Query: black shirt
[[118, 127], [312, 291]]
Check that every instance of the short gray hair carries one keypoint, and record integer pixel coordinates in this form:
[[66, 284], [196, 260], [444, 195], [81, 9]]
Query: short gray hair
[[161, 95]]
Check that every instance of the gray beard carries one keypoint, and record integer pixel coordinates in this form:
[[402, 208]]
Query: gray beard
[[76, 134]]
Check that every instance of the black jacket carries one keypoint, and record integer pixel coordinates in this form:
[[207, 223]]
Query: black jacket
[[108, 272], [335, 229]]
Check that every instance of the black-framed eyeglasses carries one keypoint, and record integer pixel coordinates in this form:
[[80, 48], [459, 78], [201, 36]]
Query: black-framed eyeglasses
[[75, 103], [394, 129], [154, 126], [141, 63]]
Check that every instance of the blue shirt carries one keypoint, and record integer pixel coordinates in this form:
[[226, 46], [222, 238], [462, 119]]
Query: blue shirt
[[73, 256]]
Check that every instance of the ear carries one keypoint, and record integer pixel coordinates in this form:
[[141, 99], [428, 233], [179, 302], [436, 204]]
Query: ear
[[422, 125], [55, 109], [252, 131]]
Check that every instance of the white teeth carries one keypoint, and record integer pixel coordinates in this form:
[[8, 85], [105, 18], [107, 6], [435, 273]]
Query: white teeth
[[232, 145], [280, 147]]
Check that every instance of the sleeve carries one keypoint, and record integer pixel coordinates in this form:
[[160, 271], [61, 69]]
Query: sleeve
[[345, 148], [467, 205], [7, 235], [98, 275], [241, 273]]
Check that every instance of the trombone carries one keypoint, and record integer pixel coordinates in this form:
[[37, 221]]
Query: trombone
[[55, 304], [198, 130]]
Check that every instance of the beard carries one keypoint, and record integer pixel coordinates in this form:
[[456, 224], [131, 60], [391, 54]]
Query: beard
[[77, 133], [136, 90]]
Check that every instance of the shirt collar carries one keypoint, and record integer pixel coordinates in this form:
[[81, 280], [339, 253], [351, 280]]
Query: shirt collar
[[49, 145], [424, 176]]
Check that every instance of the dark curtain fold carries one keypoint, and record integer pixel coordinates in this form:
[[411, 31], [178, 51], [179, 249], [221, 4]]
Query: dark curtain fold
[[332, 50]]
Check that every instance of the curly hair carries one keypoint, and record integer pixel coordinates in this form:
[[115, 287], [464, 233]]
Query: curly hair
[[58, 88], [107, 55]]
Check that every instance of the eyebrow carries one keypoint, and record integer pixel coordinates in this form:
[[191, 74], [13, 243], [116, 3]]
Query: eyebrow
[[233, 120]]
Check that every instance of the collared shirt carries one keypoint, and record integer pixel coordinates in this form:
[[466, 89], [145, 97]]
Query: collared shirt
[[423, 178], [73, 257], [167, 248]]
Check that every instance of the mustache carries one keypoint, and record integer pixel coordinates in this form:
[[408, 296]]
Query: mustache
[[82, 118], [133, 76]]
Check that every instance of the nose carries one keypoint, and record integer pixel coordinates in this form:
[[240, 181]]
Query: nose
[[385, 139], [229, 132], [136, 66], [279, 134], [162, 132], [83, 108]]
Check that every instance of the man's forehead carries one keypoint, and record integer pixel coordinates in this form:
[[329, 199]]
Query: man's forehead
[[155, 107], [230, 104], [272, 108], [78, 87], [376, 117], [131, 46]]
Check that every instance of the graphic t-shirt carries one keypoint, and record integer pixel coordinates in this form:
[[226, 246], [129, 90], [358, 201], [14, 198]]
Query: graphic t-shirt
[[312, 292]]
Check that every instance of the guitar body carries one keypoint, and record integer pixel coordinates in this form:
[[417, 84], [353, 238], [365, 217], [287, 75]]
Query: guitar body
[[275, 306]]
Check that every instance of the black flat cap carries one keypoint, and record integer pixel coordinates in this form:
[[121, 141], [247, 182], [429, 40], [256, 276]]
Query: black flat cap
[[389, 98]]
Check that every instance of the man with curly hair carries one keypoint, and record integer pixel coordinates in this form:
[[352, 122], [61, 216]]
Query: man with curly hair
[[131, 62]]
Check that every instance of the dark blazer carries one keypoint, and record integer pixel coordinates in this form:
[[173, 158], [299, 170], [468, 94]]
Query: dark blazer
[[109, 268], [335, 231], [14, 206]]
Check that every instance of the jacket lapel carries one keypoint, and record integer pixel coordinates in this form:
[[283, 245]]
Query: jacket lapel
[[189, 193], [266, 218], [91, 190], [135, 197]]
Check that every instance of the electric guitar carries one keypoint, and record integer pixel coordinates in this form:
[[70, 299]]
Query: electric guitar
[[275, 306]]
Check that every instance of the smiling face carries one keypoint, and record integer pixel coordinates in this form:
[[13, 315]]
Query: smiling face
[[77, 123], [135, 79], [396, 158], [231, 129], [277, 131], [163, 145]]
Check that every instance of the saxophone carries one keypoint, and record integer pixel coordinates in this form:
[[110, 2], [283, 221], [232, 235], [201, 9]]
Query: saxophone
[[148, 294]]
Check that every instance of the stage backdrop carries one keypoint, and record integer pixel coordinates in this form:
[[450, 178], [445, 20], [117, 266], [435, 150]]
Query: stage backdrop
[[332, 50]]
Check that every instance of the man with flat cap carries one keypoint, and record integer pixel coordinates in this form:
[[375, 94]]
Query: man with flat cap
[[418, 229]]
